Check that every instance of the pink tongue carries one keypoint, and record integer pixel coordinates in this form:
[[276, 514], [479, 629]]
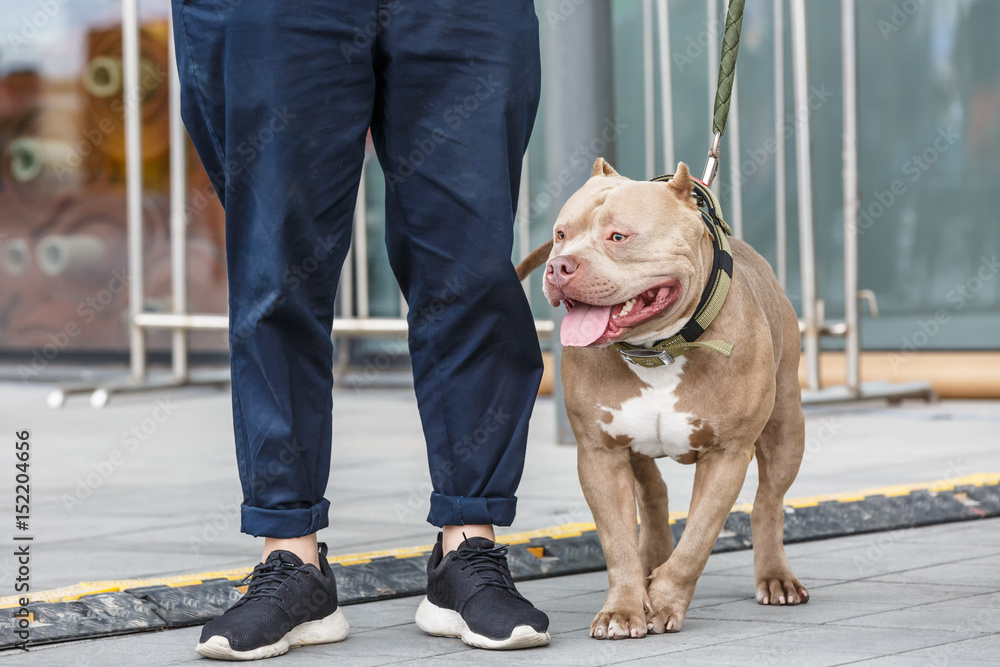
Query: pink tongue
[[583, 324]]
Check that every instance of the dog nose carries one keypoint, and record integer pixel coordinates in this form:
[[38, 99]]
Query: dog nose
[[560, 270]]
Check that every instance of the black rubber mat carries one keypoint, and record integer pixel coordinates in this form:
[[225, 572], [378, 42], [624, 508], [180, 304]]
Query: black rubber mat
[[159, 607]]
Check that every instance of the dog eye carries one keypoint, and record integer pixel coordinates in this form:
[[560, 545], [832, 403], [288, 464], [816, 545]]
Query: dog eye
[[560, 235], [618, 237]]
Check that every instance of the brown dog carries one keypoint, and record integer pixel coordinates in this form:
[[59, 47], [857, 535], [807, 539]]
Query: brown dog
[[631, 260]]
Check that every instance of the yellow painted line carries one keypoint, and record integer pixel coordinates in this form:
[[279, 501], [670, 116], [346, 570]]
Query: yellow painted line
[[81, 589], [978, 479]]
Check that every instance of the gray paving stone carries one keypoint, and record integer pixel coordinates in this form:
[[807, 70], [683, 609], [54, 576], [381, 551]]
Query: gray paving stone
[[172, 647], [815, 645], [882, 556], [895, 594], [973, 533], [974, 571], [975, 651], [378, 496], [972, 614], [817, 611]]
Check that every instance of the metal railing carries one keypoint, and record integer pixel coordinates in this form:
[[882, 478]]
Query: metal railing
[[354, 290], [354, 287]]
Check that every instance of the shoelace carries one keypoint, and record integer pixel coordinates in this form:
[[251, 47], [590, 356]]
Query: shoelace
[[490, 564], [265, 580]]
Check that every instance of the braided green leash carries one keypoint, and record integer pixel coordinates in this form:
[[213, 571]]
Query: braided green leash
[[665, 352], [724, 94]]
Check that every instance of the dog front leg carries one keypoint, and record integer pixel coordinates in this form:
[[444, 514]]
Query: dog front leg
[[718, 479], [609, 486]]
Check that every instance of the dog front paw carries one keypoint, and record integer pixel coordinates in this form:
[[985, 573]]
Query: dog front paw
[[669, 603], [668, 618], [619, 624], [780, 588]]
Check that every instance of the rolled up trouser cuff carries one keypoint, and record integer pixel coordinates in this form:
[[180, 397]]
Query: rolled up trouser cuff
[[285, 523], [463, 510]]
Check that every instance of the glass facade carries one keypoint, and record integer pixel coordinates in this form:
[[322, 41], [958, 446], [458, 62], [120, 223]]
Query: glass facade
[[63, 262], [929, 147], [929, 153]]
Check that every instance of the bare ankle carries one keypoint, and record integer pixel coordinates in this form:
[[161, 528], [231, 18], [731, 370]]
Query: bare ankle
[[303, 547], [453, 536]]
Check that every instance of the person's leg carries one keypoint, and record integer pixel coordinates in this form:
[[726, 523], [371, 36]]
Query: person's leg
[[458, 87], [277, 98], [279, 111]]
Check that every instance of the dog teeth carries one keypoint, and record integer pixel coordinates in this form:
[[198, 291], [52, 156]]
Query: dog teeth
[[626, 309]]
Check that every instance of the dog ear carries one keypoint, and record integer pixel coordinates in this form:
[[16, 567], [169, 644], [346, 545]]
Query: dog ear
[[602, 168], [681, 185]]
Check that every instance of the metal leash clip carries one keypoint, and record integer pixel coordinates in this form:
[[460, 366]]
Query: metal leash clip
[[642, 353]]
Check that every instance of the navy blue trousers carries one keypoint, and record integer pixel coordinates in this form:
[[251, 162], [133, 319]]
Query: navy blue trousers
[[278, 98]]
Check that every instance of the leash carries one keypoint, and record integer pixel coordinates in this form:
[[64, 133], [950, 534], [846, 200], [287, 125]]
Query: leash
[[665, 352], [724, 93]]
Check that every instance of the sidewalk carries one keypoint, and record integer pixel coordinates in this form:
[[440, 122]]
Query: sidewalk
[[167, 504], [915, 597], [170, 506]]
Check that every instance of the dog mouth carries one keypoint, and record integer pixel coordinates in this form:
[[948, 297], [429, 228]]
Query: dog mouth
[[587, 325]]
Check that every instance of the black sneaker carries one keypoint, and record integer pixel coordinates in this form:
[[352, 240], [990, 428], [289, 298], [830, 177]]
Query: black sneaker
[[470, 594], [287, 604]]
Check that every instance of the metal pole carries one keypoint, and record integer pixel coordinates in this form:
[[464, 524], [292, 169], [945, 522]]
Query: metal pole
[[780, 203], [578, 108], [666, 85], [524, 221], [852, 203], [133, 182], [347, 283], [178, 215], [648, 88], [735, 175], [807, 251], [712, 27], [361, 247]]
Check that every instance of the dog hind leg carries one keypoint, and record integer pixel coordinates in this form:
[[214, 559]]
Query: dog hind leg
[[656, 541], [779, 453]]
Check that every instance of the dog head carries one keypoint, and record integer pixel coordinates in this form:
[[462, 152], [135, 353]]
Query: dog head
[[629, 259]]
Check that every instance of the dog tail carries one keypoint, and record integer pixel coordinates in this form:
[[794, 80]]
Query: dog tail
[[534, 260]]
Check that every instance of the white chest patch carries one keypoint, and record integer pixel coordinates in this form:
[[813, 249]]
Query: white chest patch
[[650, 419]]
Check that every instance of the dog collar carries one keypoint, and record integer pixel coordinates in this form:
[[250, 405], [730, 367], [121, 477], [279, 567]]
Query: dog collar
[[664, 352]]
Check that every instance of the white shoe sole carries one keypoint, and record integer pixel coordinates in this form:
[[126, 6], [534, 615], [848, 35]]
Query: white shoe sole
[[327, 630], [435, 620]]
